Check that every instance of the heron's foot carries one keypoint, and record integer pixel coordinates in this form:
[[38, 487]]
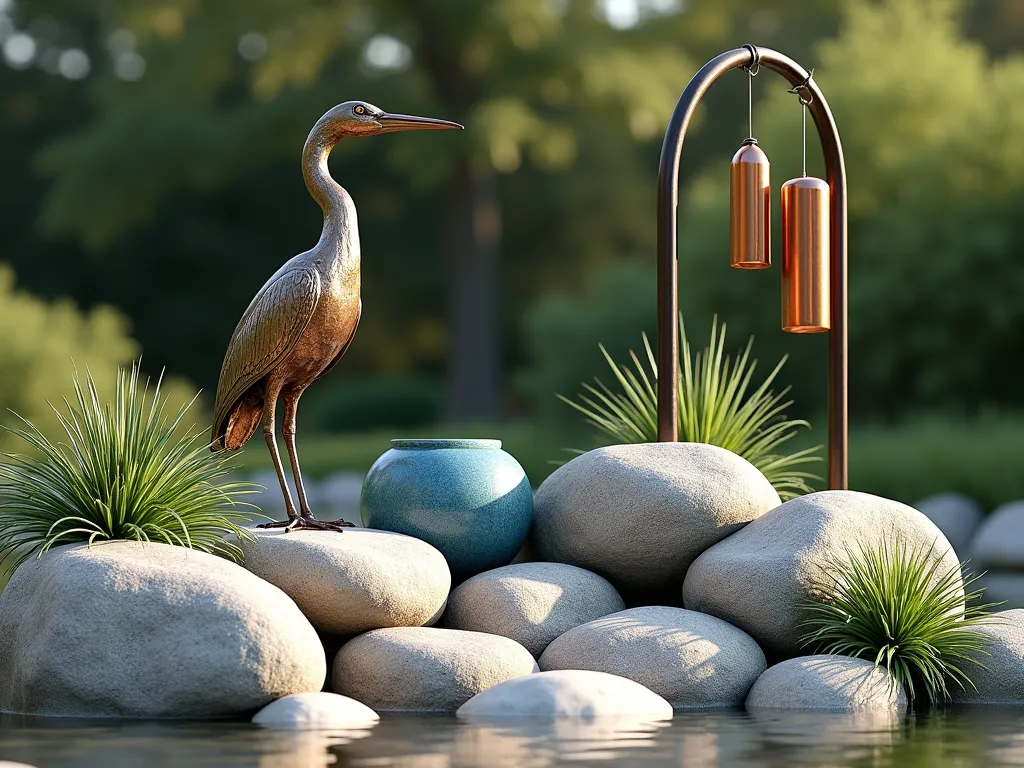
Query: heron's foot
[[290, 524], [306, 521]]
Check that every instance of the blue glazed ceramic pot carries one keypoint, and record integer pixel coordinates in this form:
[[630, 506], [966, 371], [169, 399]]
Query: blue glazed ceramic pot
[[468, 498]]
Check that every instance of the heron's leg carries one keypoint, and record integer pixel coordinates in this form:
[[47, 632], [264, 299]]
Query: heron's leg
[[291, 402], [305, 519], [269, 406]]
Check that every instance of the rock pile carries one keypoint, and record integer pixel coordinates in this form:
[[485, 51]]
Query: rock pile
[[693, 538]]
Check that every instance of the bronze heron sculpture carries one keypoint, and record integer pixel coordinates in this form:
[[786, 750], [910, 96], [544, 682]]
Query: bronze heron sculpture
[[304, 318]]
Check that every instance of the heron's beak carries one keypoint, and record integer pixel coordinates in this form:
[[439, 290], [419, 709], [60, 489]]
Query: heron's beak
[[392, 122]]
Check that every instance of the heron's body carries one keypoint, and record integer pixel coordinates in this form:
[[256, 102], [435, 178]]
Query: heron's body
[[304, 318]]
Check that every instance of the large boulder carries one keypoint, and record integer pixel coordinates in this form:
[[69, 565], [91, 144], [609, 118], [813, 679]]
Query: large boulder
[[828, 683], [639, 514], [423, 669], [566, 693], [999, 677], [691, 659], [956, 515], [347, 583], [315, 711], [132, 630], [761, 577], [531, 603]]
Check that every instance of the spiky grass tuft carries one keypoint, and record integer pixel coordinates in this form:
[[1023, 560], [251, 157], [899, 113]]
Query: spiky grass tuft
[[894, 605], [125, 472], [714, 408]]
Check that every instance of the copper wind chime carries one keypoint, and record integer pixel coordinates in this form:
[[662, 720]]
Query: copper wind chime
[[805, 226], [813, 236]]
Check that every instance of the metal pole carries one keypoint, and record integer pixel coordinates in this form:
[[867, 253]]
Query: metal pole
[[668, 288]]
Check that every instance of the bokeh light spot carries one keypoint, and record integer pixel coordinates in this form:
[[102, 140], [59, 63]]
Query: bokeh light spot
[[74, 64], [252, 46], [19, 50], [129, 66], [386, 52]]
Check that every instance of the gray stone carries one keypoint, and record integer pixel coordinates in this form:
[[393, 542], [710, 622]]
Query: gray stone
[[1005, 587], [956, 515], [531, 603], [567, 693], [691, 659], [350, 582], [760, 577], [1001, 680], [999, 542], [829, 683], [315, 711], [423, 669], [124, 629], [639, 514]]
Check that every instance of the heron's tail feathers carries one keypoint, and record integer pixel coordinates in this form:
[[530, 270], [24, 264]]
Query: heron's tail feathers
[[242, 422]]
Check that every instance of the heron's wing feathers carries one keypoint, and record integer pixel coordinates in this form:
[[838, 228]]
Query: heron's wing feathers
[[267, 332]]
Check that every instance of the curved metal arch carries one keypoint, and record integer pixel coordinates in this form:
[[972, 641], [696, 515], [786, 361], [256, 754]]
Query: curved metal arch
[[668, 288]]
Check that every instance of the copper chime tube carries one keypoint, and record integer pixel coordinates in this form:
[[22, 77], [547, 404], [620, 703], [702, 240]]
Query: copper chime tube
[[805, 256], [750, 208]]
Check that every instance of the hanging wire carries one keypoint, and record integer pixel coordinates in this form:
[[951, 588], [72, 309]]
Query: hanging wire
[[806, 98], [751, 69]]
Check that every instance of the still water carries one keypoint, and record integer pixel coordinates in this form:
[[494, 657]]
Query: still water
[[956, 738]]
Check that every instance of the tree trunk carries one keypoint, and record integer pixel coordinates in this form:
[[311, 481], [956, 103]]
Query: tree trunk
[[474, 339]]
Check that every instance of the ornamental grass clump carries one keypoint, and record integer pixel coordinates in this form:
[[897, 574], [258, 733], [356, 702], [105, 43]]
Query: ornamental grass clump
[[125, 471], [714, 408], [896, 605]]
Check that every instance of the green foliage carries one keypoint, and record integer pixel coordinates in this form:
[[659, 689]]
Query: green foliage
[[935, 172], [714, 408], [562, 333], [981, 457], [896, 606], [373, 403], [37, 342], [123, 473]]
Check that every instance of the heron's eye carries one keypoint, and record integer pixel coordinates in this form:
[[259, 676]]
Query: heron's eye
[[360, 109]]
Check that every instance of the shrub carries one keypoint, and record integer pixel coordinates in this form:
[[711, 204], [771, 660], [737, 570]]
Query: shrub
[[374, 403], [714, 408], [893, 605], [125, 472], [37, 342]]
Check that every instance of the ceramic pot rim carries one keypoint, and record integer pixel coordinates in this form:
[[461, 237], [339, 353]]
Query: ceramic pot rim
[[458, 442]]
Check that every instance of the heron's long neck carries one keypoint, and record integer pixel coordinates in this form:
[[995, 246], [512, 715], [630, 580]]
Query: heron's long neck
[[340, 227]]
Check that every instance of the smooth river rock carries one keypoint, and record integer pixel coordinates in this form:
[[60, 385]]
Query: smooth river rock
[[691, 659], [1001, 680], [531, 603], [318, 710], [424, 669], [350, 582], [132, 630], [640, 514], [566, 693], [760, 577], [999, 543], [827, 683], [956, 515]]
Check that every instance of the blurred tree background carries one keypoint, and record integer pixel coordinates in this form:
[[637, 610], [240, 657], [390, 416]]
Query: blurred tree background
[[149, 153]]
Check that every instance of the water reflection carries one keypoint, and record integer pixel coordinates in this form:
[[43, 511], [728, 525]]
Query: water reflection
[[957, 738]]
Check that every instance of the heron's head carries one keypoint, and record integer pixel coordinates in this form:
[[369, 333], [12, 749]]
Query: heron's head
[[358, 118]]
